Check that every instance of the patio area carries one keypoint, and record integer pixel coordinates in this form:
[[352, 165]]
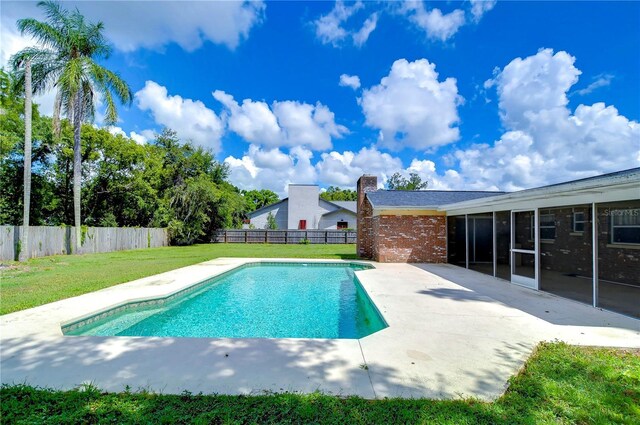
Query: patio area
[[452, 333]]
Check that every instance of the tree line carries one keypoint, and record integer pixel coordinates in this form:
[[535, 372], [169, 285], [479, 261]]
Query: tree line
[[164, 183]]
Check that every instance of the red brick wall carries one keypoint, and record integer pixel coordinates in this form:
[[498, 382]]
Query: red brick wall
[[410, 239], [568, 252], [364, 241], [366, 231], [615, 262]]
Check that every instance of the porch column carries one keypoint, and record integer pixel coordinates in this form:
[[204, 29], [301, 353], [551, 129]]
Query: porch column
[[594, 243]]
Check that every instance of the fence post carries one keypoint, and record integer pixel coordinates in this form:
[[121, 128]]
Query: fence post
[[266, 236], [225, 235], [345, 237], [286, 237], [245, 236], [326, 232]]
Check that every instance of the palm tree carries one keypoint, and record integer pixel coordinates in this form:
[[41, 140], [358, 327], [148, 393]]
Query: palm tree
[[25, 252], [65, 59]]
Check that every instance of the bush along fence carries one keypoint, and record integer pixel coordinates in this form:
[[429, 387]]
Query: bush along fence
[[56, 240], [286, 236]]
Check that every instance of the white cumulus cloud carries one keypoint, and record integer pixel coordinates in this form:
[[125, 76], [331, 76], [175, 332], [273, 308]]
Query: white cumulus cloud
[[362, 35], [191, 119], [480, 7], [530, 86], [330, 28], [271, 169], [344, 169], [283, 123], [132, 25], [412, 108], [436, 25], [140, 138], [546, 142], [352, 81]]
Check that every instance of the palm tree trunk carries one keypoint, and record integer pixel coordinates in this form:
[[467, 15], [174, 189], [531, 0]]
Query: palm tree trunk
[[24, 253], [77, 167], [57, 104]]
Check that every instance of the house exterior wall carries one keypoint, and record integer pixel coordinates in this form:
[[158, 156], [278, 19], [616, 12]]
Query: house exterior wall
[[568, 252], [330, 220], [399, 238], [278, 210], [410, 238], [303, 205], [617, 262]]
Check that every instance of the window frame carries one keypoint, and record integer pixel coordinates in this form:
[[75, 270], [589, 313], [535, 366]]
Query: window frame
[[575, 221], [346, 225], [621, 212], [540, 215]]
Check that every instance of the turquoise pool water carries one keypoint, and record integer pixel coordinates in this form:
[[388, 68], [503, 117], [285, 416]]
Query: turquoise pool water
[[273, 300]]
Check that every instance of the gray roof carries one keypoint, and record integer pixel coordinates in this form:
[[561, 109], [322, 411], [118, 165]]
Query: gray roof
[[347, 205], [261, 210], [422, 198]]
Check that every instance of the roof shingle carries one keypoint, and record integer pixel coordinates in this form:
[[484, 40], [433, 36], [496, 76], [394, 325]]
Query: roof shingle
[[423, 198]]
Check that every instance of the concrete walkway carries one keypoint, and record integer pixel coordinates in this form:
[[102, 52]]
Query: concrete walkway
[[452, 333]]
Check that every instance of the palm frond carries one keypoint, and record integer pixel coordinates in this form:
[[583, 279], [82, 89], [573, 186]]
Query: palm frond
[[44, 33], [108, 80], [65, 59], [54, 12], [111, 116]]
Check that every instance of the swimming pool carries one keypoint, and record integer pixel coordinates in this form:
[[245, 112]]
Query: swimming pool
[[256, 300]]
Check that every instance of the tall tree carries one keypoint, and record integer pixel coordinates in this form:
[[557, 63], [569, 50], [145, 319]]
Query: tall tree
[[399, 182], [257, 199], [334, 193], [65, 59], [25, 251]]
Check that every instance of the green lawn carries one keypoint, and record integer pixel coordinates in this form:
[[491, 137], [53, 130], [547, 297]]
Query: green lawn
[[48, 279], [560, 384]]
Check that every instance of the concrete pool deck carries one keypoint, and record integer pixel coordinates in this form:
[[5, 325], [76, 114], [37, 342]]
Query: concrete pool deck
[[452, 333]]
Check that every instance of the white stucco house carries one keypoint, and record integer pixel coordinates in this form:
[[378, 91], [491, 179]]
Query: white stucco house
[[304, 209]]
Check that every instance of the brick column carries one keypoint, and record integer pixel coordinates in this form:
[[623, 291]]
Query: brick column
[[365, 236]]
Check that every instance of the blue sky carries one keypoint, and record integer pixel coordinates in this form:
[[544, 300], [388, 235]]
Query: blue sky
[[469, 95]]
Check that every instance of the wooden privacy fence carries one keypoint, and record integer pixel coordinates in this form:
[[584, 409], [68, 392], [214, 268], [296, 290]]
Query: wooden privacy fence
[[286, 236], [56, 240]]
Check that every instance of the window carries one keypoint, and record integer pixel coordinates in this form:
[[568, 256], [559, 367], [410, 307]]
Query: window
[[625, 226], [547, 227], [578, 221], [302, 225], [342, 225]]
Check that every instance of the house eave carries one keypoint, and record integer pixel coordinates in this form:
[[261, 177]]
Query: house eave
[[612, 189]]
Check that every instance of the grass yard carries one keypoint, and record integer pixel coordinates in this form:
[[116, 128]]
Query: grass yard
[[47, 279], [560, 384]]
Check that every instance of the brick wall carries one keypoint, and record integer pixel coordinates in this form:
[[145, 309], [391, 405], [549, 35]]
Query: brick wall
[[568, 252], [364, 244], [615, 262], [410, 239]]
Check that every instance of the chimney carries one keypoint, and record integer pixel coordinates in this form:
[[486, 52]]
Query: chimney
[[365, 239], [366, 183]]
